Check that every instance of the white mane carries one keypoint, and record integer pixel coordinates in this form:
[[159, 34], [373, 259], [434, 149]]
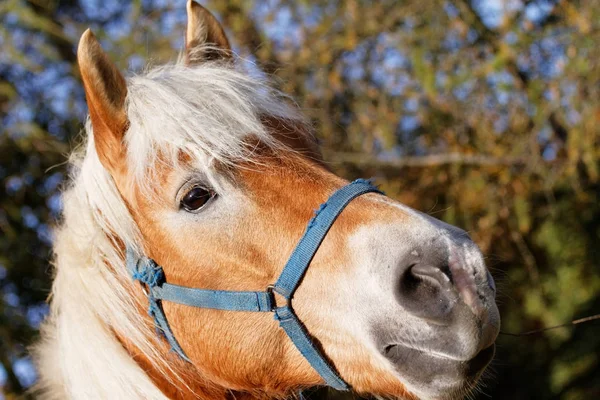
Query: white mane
[[207, 112]]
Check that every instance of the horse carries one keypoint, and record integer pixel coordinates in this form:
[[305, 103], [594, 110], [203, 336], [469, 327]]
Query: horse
[[210, 176]]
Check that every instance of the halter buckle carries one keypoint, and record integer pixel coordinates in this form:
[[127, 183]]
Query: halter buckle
[[271, 296]]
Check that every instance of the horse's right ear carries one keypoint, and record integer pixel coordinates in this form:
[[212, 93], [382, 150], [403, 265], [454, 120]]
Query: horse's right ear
[[205, 39], [105, 91]]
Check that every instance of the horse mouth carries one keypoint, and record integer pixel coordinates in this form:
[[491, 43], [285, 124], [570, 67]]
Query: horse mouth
[[440, 373], [479, 363]]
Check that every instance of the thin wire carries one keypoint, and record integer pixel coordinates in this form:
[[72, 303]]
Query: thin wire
[[574, 322]]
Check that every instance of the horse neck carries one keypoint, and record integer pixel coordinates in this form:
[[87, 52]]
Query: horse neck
[[187, 382], [182, 382], [188, 386]]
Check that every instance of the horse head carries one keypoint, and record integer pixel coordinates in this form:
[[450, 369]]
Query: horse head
[[214, 176]]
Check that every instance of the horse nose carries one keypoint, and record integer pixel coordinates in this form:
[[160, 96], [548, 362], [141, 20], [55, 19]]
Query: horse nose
[[443, 275]]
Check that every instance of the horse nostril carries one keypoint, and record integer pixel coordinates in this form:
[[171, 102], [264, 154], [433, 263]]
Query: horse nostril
[[424, 291], [433, 275]]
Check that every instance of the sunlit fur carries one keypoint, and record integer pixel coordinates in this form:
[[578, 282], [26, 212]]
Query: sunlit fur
[[207, 112]]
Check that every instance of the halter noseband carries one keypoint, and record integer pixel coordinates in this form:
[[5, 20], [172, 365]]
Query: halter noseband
[[148, 272]]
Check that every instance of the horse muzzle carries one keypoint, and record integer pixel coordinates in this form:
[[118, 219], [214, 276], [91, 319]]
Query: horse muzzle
[[443, 338]]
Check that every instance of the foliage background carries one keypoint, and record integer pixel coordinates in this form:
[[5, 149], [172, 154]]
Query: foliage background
[[484, 113]]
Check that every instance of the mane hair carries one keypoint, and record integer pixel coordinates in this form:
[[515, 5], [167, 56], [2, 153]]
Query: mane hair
[[206, 112]]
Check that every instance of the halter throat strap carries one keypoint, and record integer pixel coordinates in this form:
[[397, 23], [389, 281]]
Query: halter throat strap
[[148, 272]]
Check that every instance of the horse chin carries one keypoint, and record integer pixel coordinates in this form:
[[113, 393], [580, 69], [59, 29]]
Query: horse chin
[[437, 376]]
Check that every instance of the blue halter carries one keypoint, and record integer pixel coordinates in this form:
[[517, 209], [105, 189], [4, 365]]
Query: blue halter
[[147, 271]]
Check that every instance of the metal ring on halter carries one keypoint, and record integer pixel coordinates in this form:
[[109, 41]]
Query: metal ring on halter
[[144, 288]]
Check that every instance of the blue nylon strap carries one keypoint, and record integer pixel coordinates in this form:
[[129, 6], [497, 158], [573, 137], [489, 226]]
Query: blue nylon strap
[[315, 232], [215, 299], [148, 272], [296, 267], [162, 325], [303, 342]]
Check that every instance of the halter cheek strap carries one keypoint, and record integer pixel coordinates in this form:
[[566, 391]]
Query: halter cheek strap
[[147, 271]]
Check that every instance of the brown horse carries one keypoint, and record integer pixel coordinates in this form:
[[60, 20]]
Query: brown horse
[[213, 175]]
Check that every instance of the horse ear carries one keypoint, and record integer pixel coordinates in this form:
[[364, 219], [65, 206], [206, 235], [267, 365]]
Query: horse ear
[[105, 91], [205, 39]]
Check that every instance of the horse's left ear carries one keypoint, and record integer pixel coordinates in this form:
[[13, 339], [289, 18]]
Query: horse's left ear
[[105, 91], [205, 39]]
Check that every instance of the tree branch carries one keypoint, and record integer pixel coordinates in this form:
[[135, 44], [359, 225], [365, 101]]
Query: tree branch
[[434, 160]]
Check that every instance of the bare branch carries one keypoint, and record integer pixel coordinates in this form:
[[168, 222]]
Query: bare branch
[[434, 160]]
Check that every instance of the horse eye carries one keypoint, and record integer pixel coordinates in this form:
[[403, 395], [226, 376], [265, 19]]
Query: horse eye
[[196, 198]]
